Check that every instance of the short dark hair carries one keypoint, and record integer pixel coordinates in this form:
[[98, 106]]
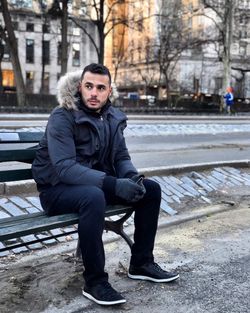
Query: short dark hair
[[96, 68]]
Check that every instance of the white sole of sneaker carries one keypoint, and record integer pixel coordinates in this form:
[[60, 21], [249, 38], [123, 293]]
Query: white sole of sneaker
[[164, 280], [90, 297]]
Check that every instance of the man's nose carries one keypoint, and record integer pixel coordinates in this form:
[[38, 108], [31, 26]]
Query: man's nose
[[94, 91]]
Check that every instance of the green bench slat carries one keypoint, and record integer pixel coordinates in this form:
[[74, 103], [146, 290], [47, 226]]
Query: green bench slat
[[14, 227], [21, 155], [35, 225], [15, 175], [17, 137]]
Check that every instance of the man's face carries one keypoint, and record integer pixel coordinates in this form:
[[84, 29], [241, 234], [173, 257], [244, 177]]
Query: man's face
[[95, 90]]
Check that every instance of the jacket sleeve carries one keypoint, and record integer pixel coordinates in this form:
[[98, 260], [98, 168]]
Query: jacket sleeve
[[122, 161], [62, 152]]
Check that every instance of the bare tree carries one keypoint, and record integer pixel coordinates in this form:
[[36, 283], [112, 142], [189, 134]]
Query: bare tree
[[224, 23], [1, 58], [61, 11], [101, 14], [149, 72], [119, 54], [43, 8], [64, 36], [10, 38], [175, 37]]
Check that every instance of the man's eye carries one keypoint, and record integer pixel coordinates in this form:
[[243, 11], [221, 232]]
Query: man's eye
[[102, 88], [88, 86]]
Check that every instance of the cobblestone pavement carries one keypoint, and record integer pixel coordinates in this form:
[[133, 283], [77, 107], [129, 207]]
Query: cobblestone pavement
[[179, 193], [156, 129]]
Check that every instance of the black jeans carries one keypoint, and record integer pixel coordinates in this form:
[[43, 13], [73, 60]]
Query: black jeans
[[90, 202]]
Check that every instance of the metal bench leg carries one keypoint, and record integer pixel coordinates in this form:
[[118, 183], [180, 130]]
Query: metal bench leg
[[78, 254], [114, 226], [117, 227]]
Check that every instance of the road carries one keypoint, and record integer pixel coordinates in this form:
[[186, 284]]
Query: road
[[188, 149], [170, 140]]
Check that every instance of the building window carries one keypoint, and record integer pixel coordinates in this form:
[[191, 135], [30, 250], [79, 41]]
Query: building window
[[29, 82], [22, 4], [15, 25], [29, 51], [8, 78], [46, 83], [76, 54], [140, 25], [29, 27], [242, 34], [76, 31], [218, 83], [59, 53], [6, 52], [46, 28], [196, 85], [243, 49], [46, 52]]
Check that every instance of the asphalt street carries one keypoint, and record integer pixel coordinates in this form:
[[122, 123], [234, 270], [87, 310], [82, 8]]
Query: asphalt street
[[168, 140]]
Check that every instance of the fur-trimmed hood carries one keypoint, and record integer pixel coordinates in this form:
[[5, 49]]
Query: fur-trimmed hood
[[67, 89]]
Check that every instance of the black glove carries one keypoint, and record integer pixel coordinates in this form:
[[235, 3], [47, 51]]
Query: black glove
[[138, 178], [128, 190]]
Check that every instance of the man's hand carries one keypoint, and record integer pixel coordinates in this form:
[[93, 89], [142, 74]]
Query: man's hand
[[138, 178], [129, 190]]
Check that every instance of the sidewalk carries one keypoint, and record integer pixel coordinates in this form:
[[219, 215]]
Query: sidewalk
[[192, 238], [211, 253], [188, 192]]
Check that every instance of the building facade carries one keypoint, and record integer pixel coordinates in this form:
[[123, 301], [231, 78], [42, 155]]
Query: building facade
[[39, 48], [177, 47]]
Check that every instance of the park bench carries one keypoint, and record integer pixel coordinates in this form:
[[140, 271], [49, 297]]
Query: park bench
[[21, 147]]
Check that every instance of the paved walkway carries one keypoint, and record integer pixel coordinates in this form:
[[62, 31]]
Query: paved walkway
[[179, 192], [165, 129]]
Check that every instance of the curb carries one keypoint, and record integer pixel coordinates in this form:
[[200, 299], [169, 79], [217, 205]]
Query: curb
[[176, 169], [29, 186], [190, 116], [184, 217]]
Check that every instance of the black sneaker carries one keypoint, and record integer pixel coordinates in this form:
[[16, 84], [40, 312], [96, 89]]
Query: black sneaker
[[152, 272], [103, 294]]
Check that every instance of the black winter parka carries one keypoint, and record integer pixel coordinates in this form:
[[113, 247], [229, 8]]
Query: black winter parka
[[70, 148]]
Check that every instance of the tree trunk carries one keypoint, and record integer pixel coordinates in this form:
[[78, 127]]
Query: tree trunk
[[1, 58], [43, 20], [64, 37], [43, 67], [20, 87], [228, 36], [100, 27]]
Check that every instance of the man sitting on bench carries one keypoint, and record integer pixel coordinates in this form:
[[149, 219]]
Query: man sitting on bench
[[82, 164]]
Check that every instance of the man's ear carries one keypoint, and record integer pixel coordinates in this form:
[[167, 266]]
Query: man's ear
[[79, 87], [110, 91]]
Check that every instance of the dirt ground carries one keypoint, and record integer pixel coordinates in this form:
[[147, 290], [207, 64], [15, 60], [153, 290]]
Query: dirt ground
[[51, 280]]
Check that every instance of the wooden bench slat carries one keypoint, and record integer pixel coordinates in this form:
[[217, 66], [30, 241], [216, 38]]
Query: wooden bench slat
[[17, 137], [21, 155], [13, 227], [39, 224], [15, 175]]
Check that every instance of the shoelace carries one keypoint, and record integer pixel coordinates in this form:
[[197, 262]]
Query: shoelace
[[107, 289], [158, 268]]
